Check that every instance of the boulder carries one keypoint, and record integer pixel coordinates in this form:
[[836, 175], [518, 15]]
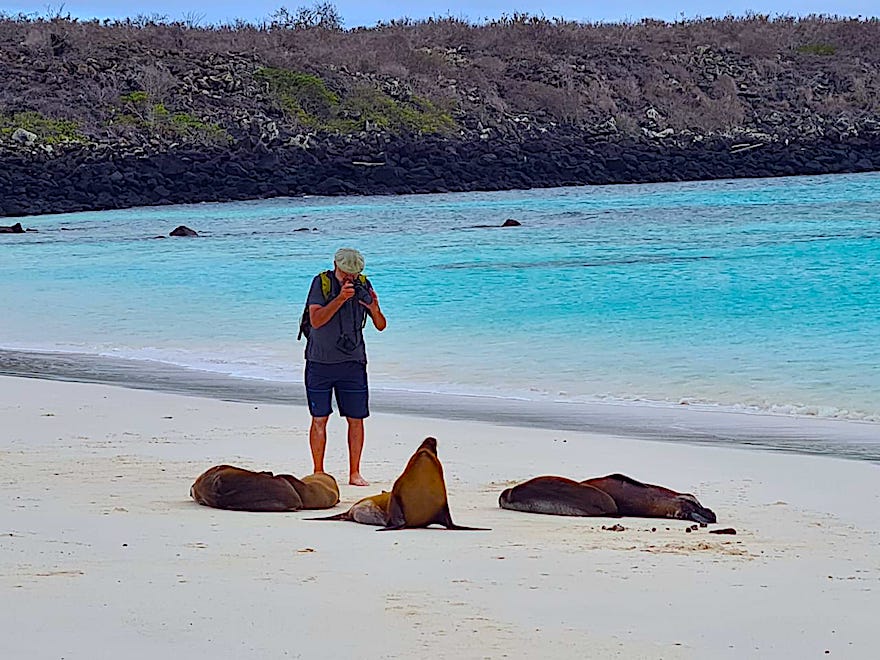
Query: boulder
[[12, 229], [510, 222], [22, 136]]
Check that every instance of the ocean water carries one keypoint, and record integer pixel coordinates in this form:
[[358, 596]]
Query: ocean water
[[757, 295]]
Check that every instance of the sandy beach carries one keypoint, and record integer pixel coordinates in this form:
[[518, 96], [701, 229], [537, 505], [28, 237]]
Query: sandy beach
[[104, 555]]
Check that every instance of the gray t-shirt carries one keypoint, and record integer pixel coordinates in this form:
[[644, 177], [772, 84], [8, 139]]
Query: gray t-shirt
[[323, 344]]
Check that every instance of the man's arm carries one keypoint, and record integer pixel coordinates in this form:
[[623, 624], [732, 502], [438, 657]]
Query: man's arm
[[321, 314]]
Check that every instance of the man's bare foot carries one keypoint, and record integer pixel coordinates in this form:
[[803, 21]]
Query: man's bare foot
[[357, 480]]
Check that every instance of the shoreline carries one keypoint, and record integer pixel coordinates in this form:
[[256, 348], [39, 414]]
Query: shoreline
[[103, 546], [407, 166], [696, 425]]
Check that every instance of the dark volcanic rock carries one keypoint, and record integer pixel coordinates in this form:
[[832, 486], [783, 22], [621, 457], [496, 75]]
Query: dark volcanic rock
[[12, 229], [183, 231], [510, 222], [83, 179]]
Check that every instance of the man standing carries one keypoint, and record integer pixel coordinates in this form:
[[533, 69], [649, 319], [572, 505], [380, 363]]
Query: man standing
[[336, 358]]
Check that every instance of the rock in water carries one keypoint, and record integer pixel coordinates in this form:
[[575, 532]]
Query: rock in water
[[183, 230]]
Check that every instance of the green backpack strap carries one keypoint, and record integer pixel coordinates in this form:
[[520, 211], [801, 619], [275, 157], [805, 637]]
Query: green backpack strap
[[305, 326], [325, 284]]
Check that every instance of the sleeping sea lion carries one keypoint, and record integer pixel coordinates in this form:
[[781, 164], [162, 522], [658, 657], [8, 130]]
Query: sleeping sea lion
[[372, 510], [229, 487], [623, 496], [317, 491], [417, 499], [558, 496], [634, 498]]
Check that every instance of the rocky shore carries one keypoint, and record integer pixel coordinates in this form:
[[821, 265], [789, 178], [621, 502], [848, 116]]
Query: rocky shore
[[88, 179], [97, 115]]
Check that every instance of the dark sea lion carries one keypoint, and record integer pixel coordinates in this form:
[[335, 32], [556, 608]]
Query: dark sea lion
[[229, 487], [317, 491], [558, 496], [372, 510], [417, 499], [634, 498]]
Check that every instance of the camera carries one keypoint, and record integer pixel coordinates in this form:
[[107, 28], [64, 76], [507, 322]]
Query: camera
[[362, 293], [346, 344]]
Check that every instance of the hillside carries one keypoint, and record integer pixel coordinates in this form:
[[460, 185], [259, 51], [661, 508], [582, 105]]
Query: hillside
[[99, 115]]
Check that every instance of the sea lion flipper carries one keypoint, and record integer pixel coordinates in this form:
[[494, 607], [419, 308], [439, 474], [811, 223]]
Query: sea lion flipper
[[396, 519], [445, 519], [339, 516], [468, 529]]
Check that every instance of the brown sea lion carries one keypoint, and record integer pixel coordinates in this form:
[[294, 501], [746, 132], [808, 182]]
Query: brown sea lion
[[372, 510], [229, 487], [634, 498], [317, 491], [557, 496], [417, 499], [623, 496]]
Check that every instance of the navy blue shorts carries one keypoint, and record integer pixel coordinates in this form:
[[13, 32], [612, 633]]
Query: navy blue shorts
[[347, 379]]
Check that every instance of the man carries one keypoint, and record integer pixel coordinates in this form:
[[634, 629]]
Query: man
[[336, 357]]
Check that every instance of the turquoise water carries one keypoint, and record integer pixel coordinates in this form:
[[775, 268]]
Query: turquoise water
[[758, 295]]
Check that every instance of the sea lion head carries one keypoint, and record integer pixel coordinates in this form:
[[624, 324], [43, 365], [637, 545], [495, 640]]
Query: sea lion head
[[430, 444], [690, 509]]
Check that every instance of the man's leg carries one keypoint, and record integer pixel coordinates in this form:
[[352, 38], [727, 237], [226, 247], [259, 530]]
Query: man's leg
[[318, 441], [355, 448], [319, 388]]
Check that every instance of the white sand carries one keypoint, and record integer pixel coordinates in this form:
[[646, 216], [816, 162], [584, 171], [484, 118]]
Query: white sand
[[103, 554]]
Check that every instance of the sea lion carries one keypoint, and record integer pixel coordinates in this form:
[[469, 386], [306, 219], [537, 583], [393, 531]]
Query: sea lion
[[417, 499], [640, 500], [623, 496], [229, 487], [372, 510], [558, 496], [317, 491]]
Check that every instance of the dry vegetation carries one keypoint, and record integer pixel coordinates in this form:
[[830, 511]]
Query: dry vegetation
[[152, 81]]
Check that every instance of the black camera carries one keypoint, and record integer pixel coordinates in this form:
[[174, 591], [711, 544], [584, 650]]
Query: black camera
[[362, 293], [346, 344]]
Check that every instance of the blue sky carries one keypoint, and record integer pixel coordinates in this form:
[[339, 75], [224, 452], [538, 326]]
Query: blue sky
[[368, 12]]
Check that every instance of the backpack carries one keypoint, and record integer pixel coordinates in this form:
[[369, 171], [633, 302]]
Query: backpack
[[305, 321]]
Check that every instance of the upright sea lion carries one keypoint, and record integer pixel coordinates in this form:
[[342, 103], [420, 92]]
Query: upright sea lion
[[634, 498], [229, 487], [613, 495], [557, 496], [417, 499]]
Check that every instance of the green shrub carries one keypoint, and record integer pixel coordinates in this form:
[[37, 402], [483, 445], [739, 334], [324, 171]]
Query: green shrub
[[817, 49], [157, 120], [308, 99], [418, 115], [303, 95], [135, 98], [50, 131], [193, 127]]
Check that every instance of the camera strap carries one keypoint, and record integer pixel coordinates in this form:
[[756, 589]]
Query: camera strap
[[330, 287]]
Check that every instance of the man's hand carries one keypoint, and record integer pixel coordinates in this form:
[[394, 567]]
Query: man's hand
[[346, 292], [375, 313], [373, 307]]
